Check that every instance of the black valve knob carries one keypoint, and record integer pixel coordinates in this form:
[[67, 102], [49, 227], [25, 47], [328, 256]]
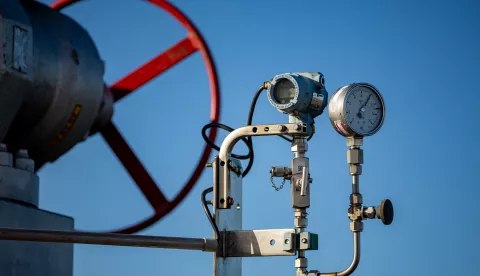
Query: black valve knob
[[385, 211]]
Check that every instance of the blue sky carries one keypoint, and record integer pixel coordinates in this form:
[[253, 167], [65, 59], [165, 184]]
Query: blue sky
[[423, 56]]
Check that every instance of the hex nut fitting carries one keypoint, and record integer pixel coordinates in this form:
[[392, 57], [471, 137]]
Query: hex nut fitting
[[356, 226], [355, 169], [354, 142], [301, 262], [299, 147], [23, 162], [300, 214], [355, 156], [6, 158], [300, 222], [356, 199]]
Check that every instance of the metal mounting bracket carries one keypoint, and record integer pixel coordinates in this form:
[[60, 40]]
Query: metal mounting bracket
[[257, 243]]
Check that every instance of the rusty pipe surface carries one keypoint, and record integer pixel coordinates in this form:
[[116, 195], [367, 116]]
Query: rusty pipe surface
[[356, 259], [19, 234]]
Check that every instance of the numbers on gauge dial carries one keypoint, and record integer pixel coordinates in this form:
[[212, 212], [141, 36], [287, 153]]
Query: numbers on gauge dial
[[363, 110]]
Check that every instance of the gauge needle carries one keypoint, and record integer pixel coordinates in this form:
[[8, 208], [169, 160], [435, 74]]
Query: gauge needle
[[362, 107]]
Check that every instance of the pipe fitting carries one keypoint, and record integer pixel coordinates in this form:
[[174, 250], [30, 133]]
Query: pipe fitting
[[355, 156], [369, 212], [301, 262], [356, 199], [356, 226], [355, 169]]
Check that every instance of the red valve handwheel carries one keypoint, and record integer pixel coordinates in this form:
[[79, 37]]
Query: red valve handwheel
[[192, 43]]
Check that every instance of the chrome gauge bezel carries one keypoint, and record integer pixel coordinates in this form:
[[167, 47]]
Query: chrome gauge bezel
[[336, 110]]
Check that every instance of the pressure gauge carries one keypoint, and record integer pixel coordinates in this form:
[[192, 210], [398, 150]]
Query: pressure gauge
[[357, 110]]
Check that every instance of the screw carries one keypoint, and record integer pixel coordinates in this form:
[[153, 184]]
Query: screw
[[209, 165], [287, 241], [304, 240], [297, 127], [282, 128]]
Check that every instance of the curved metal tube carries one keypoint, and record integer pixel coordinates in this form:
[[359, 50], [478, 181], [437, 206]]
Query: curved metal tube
[[356, 259], [235, 136], [257, 130]]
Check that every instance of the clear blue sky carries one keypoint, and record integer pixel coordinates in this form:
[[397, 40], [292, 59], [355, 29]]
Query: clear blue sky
[[424, 58]]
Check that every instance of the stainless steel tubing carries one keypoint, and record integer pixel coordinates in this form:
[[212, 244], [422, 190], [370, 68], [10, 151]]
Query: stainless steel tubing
[[356, 258], [202, 244]]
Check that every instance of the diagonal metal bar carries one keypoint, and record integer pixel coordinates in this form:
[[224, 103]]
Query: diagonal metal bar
[[134, 167], [153, 68]]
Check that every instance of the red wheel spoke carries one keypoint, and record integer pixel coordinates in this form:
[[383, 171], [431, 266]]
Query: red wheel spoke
[[153, 68], [134, 167], [61, 4]]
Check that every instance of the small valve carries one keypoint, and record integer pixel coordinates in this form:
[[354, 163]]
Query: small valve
[[384, 211]]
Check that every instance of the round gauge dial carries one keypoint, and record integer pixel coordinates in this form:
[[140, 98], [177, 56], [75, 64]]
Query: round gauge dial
[[357, 110], [284, 91]]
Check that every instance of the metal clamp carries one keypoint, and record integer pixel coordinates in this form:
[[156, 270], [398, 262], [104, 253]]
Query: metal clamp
[[307, 241], [272, 242]]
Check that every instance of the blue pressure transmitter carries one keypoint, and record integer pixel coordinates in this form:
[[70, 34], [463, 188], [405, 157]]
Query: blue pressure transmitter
[[301, 95]]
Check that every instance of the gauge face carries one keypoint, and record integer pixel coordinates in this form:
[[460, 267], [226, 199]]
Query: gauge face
[[284, 91], [363, 110], [357, 110]]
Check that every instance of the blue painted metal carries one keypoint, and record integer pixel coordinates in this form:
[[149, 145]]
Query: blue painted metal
[[310, 96]]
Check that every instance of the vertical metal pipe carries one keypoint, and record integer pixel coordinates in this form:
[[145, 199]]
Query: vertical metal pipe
[[355, 184]]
